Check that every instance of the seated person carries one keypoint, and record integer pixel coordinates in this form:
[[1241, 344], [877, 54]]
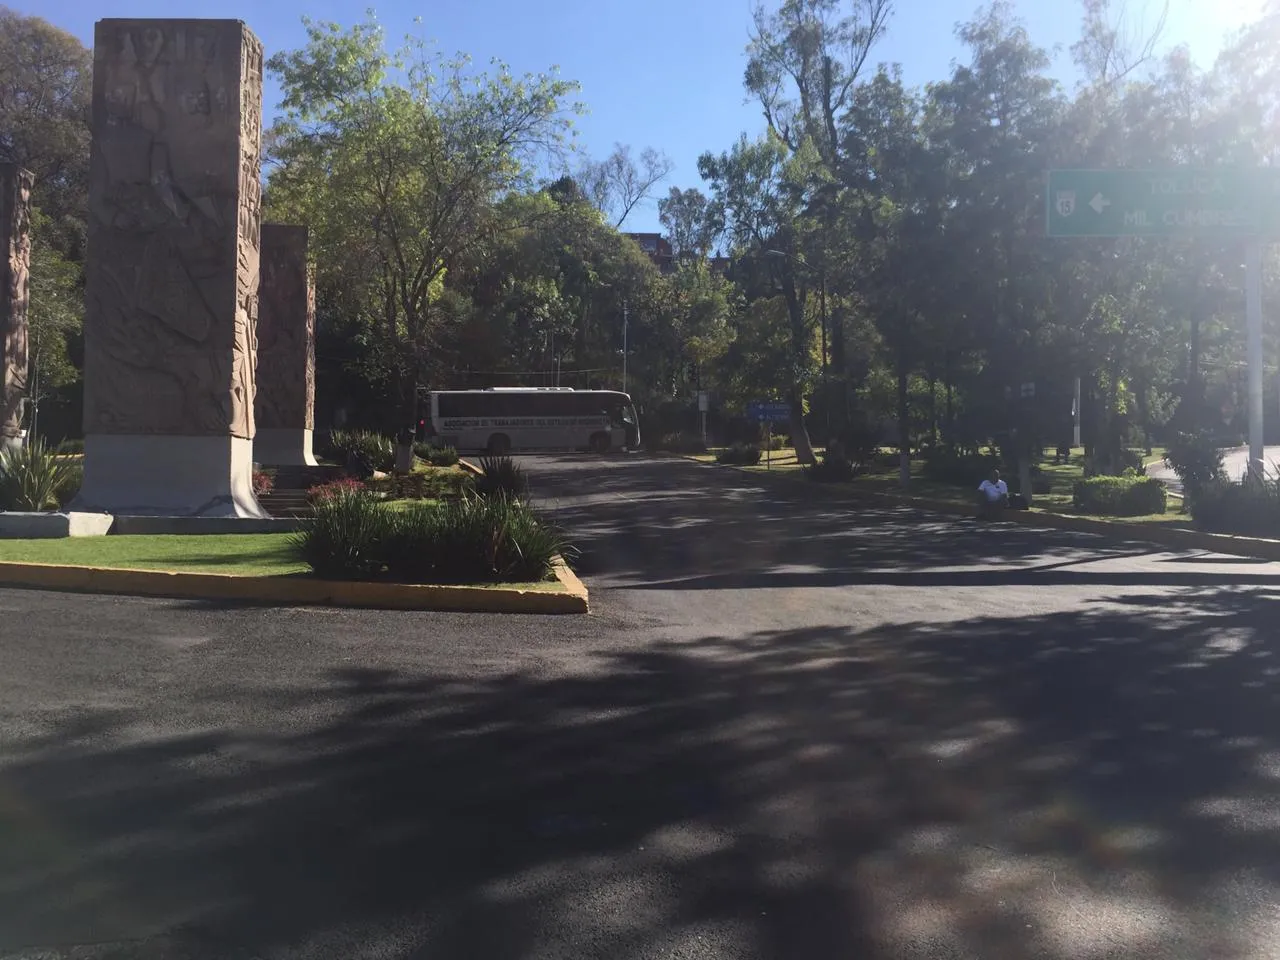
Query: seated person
[[993, 495]]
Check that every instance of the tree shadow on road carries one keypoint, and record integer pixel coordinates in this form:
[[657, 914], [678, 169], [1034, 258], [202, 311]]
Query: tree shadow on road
[[668, 524], [1089, 783]]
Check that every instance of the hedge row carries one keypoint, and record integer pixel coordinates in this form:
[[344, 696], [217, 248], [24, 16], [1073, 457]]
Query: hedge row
[[1119, 496]]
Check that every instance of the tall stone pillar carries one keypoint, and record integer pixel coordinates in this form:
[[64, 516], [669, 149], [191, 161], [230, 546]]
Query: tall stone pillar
[[172, 269], [286, 373], [15, 264]]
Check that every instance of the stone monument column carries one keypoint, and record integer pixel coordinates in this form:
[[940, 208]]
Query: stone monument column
[[15, 265], [171, 271], [286, 372]]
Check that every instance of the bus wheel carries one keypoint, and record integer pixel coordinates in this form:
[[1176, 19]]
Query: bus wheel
[[499, 445], [600, 443]]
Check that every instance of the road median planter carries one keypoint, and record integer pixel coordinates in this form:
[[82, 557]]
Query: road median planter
[[1173, 538], [568, 595]]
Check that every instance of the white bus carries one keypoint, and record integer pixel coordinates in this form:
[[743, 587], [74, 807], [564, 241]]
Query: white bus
[[502, 419]]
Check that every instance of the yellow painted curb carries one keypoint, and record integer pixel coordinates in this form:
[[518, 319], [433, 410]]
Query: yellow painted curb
[[301, 590], [1178, 539]]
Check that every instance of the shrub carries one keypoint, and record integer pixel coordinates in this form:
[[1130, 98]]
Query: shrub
[[832, 468], [443, 457], [32, 476], [71, 446], [347, 537], [860, 443], [70, 485], [436, 456], [472, 540], [263, 483], [361, 452], [1197, 461], [1251, 508], [739, 455], [501, 476], [686, 443], [1119, 496], [1103, 464], [959, 469], [775, 442], [424, 484], [327, 491]]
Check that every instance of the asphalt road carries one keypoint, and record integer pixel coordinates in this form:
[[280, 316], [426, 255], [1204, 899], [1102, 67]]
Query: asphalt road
[[789, 730], [1235, 463]]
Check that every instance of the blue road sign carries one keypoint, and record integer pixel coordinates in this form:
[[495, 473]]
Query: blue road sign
[[768, 411]]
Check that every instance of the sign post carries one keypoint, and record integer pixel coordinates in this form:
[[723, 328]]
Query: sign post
[[1253, 318], [1224, 203], [704, 404], [768, 412]]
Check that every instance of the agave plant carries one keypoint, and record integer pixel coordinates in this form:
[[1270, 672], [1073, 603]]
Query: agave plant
[[33, 476], [501, 476]]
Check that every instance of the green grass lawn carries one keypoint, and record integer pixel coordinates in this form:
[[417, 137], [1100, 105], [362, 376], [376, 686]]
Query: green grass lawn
[[883, 478], [243, 554], [240, 554]]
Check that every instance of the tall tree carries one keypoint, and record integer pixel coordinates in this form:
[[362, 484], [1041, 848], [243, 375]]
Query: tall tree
[[396, 161], [687, 217], [55, 319], [759, 190], [617, 184], [45, 77], [805, 61]]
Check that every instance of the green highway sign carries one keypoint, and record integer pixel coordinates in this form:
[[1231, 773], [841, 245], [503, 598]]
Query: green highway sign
[[1179, 201]]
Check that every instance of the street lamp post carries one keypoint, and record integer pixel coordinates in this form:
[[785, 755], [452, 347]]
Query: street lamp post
[[624, 346]]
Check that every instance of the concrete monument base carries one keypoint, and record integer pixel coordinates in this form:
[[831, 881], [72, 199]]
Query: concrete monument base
[[49, 526], [11, 443], [283, 448], [153, 475]]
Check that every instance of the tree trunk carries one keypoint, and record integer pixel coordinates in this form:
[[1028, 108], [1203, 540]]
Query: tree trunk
[[799, 432], [800, 348], [1194, 398], [949, 433], [904, 427], [838, 394], [933, 409]]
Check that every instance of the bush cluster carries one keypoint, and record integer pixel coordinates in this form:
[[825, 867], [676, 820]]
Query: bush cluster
[[501, 477], [832, 468], [263, 483], [1250, 509], [436, 456], [34, 477], [859, 442], [687, 443], [431, 484], [326, 491], [1197, 460], [943, 465], [1102, 464], [739, 455], [354, 536], [1130, 496], [361, 452], [75, 446]]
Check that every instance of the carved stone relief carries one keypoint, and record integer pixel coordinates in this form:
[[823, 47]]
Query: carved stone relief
[[15, 265], [172, 266], [286, 331]]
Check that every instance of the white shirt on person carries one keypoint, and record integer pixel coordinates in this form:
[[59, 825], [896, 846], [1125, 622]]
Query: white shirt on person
[[994, 491]]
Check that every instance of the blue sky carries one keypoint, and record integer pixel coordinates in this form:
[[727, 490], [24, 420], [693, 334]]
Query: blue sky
[[662, 73]]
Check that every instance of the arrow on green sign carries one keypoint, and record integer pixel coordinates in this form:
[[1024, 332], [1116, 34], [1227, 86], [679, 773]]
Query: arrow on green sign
[[1180, 201]]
